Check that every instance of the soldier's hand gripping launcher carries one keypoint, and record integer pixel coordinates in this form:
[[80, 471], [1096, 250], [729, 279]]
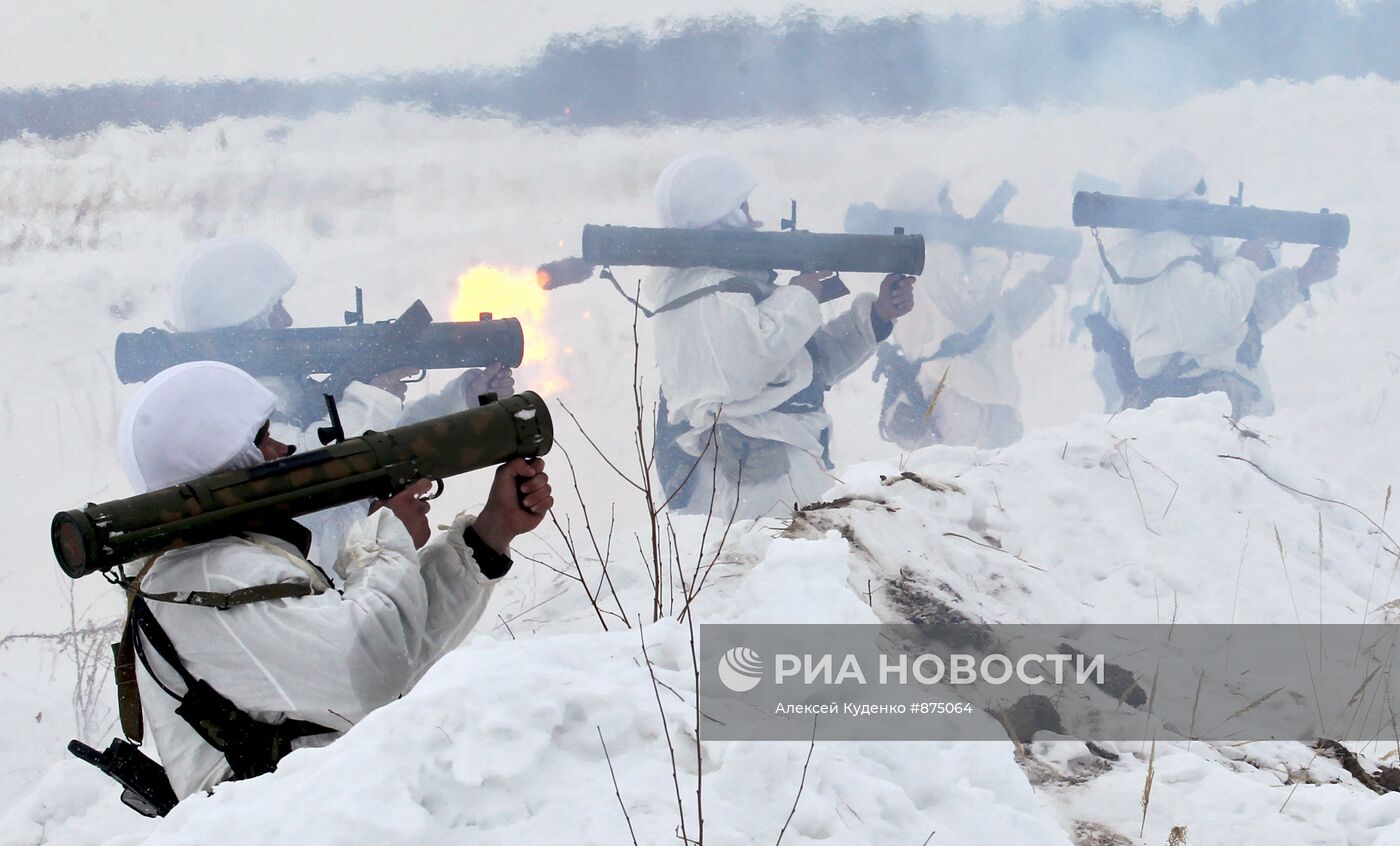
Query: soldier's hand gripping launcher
[[1194, 217], [359, 351], [746, 249], [375, 465]]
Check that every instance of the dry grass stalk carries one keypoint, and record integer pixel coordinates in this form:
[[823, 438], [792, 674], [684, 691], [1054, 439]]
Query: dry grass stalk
[[88, 645], [937, 392], [1128, 465], [1195, 706], [1147, 784], [1377, 526], [1283, 562], [1239, 576]]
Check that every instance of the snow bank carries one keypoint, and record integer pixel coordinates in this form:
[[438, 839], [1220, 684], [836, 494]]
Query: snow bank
[[1136, 518], [1148, 517], [500, 743]]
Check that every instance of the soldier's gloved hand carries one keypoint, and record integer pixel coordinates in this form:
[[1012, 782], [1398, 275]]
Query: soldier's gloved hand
[[520, 497], [392, 382], [896, 296], [812, 281], [1260, 251], [496, 379], [1321, 265], [412, 510]]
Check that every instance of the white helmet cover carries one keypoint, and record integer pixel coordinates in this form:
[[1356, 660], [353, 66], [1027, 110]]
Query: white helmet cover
[[191, 420], [1169, 173], [229, 281], [702, 188]]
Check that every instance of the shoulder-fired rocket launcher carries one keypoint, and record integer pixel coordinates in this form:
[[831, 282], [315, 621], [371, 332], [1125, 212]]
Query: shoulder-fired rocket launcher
[[983, 229], [358, 351], [746, 249], [1194, 217], [375, 465]]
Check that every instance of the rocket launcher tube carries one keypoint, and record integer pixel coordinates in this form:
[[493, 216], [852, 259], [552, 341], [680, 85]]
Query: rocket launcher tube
[[362, 351], [375, 465], [743, 249], [966, 232], [1194, 217]]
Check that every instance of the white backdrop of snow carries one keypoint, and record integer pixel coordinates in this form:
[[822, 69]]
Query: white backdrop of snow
[[1134, 518]]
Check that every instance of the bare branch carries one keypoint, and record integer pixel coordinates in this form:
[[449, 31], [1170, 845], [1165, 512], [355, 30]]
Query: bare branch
[[596, 448], [665, 727], [617, 789], [593, 539], [803, 783], [573, 553]]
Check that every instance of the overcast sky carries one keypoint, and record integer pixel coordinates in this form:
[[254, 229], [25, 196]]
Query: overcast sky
[[85, 42]]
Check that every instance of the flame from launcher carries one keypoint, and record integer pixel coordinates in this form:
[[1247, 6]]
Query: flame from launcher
[[515, 293]]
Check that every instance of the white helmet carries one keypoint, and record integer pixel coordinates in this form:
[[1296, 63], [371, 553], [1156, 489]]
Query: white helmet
[[1169, 173], [229, 281], [191, 420], [701, 189]]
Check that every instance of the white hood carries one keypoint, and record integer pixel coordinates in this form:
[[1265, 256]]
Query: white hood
[[1169, 173], [700, 189], [191, 420], [229, 281]]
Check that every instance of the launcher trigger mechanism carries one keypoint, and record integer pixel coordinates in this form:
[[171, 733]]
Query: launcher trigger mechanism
[[357, 317], [790, 223], [833, 288], [438, 488], [334, 433]]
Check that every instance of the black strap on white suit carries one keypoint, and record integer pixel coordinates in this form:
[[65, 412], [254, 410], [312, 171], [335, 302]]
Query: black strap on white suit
[[733, 285], [252, 747]]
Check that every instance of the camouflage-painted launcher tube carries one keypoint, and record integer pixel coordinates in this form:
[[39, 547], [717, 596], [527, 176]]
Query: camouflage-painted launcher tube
[[373, 465]]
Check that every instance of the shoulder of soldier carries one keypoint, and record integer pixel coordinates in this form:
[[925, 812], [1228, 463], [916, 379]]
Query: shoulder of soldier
[[223, 564], [688, 281]]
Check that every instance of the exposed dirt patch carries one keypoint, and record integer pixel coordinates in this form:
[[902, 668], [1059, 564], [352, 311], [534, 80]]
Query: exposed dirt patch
[[1094, 834], [815, 524], [932, 485], [935, 618], [1383, 780], [1119, 683], [846, 502], [1028, 715]]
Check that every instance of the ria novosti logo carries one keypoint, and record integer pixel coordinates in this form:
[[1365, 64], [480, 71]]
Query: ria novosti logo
[[740, 669]]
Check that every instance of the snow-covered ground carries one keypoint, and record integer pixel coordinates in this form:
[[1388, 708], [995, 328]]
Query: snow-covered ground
[[1134, 518]]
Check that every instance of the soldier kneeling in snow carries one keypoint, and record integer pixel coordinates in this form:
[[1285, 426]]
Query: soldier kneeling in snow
[[745, 364], [290, 670], [234, 280], [1186, 315]]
